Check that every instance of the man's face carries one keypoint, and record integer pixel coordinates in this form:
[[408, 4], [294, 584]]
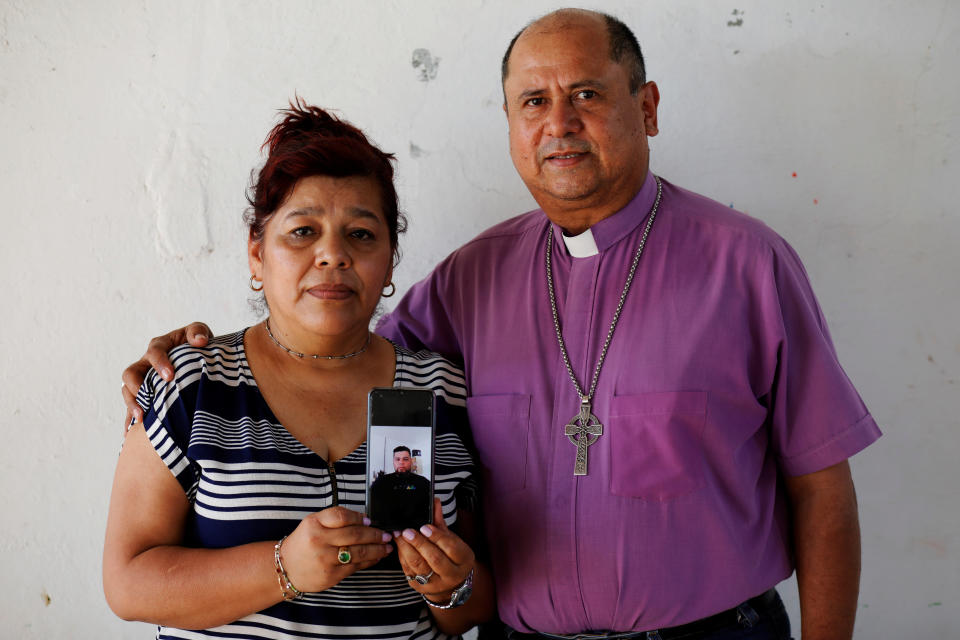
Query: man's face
[[402, 461], [578, 137]]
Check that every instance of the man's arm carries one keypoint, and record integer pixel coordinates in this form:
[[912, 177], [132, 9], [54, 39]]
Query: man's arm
[[826, 534], [195, 333], [423, 318]]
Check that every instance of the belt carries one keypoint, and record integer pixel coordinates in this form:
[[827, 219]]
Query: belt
[[710, 624]]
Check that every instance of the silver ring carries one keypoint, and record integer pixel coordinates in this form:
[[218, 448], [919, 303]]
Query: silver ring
[[421, 579]]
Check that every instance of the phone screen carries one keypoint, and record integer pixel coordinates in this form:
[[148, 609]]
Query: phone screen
[[400, 457]]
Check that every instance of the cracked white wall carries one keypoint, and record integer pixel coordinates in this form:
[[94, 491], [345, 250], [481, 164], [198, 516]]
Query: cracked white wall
[[128, 131]]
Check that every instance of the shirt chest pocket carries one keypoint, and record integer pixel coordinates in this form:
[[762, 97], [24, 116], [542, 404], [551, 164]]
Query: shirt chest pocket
[[656, 444], [500, 424]]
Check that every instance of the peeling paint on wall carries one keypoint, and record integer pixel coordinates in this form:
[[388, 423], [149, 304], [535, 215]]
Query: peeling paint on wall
[[176, 186], [425, 64]]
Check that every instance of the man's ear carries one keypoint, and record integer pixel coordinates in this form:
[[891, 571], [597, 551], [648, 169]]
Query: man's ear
[[650, 99]]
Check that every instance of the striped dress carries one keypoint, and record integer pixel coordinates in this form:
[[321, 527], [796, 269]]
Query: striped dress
[[248, 479]]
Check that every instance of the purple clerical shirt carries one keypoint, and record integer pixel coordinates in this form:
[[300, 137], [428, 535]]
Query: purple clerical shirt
[[721, 374]]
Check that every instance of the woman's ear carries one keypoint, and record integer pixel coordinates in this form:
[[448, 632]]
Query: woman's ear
[[255, 256], [389, 278]]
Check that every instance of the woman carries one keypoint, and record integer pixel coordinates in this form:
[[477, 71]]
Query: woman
[[243, 522]]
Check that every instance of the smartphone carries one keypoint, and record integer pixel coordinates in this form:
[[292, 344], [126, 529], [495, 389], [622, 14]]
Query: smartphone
[[400, 444]]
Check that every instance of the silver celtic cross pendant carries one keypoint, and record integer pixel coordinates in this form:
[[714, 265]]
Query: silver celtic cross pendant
[[579, 430]]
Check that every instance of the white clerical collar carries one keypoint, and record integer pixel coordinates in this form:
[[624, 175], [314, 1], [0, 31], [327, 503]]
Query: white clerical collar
[[581, 246]]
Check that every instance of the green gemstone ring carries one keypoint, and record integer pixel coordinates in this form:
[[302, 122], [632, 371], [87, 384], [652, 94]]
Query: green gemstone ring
[[343, 555]]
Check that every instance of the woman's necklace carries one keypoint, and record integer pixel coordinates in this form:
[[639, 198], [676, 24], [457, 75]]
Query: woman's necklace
[[584, 425], [266, 323]]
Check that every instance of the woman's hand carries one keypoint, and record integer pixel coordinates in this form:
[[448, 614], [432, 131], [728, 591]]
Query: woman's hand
[[438, 550], [311, 555]]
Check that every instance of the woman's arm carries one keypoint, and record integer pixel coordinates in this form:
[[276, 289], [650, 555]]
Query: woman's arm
[[147, 576], [450, 559], [478, 609]]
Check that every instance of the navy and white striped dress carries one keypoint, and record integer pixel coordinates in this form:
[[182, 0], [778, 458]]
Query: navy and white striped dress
[[249, 480]]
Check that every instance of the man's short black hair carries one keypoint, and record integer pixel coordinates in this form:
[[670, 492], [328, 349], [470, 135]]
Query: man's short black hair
[[624, 48], [402, 448]]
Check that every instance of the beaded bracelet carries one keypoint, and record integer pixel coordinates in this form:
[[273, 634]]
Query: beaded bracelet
[[289, 591]]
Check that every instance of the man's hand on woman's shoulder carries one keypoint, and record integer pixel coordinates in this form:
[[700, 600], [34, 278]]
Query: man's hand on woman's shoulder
[[195, 333]]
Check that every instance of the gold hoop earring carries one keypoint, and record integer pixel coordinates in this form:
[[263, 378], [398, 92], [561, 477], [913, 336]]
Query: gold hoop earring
[[392, 291], [254, 279]]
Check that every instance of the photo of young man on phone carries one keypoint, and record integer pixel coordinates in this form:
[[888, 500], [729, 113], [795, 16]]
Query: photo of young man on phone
[[402, 495]]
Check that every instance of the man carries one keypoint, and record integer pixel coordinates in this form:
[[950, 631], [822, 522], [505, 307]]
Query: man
[[663, 439], [402, 459], [402, 497]]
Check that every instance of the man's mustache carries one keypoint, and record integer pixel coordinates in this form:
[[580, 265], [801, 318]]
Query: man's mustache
[[562, 147]]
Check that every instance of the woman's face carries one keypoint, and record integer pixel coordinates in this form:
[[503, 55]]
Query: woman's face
[[325, 256]]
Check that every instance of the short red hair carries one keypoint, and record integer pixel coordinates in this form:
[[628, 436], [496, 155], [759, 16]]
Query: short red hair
[[309, 141]]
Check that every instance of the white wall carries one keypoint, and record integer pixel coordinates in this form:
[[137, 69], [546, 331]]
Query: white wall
[[128, 131]]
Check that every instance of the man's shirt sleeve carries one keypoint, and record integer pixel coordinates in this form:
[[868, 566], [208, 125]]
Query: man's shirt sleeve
[[817, 417], [424, 317]]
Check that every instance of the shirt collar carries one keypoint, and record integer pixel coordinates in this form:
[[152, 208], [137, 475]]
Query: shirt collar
[[581, 246], [611, 229]]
